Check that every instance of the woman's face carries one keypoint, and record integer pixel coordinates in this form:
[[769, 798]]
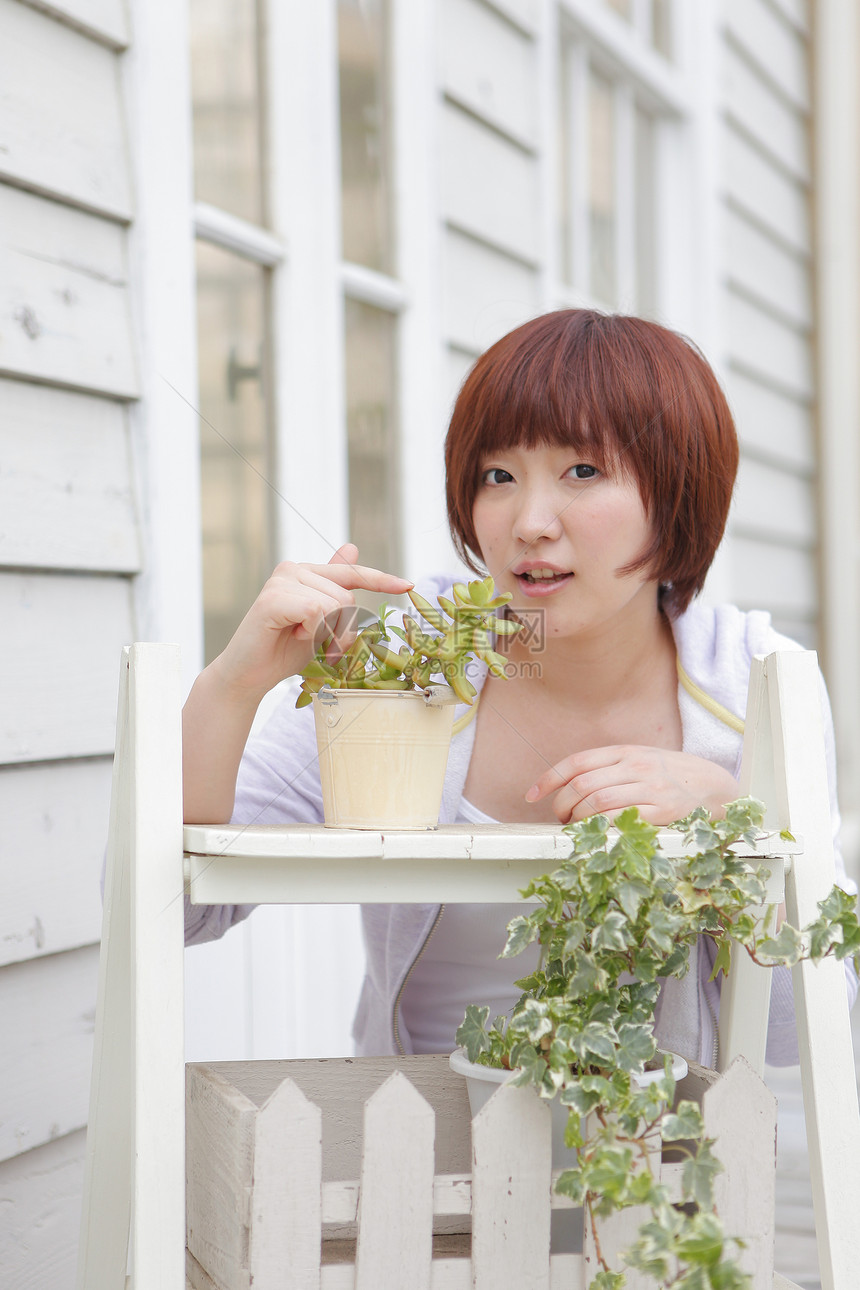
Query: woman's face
[[555, 531]]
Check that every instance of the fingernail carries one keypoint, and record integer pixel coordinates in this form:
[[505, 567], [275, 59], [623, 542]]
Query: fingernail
[[532, 794]]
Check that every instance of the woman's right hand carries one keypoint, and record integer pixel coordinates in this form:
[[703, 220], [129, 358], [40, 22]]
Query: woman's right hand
[[300, 605]]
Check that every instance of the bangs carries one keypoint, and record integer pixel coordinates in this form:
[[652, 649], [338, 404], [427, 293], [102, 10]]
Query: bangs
[[561, 396]]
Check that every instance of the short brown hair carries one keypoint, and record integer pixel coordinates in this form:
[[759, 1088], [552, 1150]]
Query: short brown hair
[[639, 398]]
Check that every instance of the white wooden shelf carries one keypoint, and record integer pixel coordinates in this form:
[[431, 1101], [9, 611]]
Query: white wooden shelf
[[312, 864]]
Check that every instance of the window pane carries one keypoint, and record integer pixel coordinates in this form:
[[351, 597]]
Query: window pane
[[661, 28], [235, 456], [226, 100], [364, 133], [372, 433], [601, 188], [646, 249]]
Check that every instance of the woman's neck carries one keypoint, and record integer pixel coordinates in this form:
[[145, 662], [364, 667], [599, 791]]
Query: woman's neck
[[614, 663]]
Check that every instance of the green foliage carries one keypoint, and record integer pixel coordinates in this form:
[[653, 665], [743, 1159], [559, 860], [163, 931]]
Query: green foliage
[[462, 629], [616, 919]]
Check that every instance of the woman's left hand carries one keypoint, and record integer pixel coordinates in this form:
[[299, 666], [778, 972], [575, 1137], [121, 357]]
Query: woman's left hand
[[663, 784]]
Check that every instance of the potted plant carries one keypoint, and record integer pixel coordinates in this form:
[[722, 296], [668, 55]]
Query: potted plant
[[618, 917], [384, 715]]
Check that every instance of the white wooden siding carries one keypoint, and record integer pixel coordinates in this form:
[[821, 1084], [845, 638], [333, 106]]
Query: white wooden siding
[[48, 1005], [66, 492], [502, 207], [484, 293], [59, 659], [40, 1200], [755, 186], [773, 423], [104, 20], [77, 153], [55, 819], [64, 311], [489, 67], [767, 310]]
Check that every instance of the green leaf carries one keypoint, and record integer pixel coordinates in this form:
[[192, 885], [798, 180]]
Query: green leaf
[[685, 1122], [472, 1034], [702, 1240], [521, 932], [698, 1173], [613, 933], [784, 948], [636, 1046], [723, 960]]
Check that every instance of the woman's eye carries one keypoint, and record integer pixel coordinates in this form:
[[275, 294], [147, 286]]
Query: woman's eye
[[495, 475], [583, 471]]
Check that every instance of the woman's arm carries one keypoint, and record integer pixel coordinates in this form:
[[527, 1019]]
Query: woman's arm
[[300, 605]]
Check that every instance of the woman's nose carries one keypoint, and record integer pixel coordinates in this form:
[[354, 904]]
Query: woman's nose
[[538, 516]]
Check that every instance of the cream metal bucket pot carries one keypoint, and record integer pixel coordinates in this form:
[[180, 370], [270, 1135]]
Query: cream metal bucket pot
[[382, 755]]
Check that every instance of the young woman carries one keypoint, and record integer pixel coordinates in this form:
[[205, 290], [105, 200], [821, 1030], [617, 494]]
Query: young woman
[[590, 466]]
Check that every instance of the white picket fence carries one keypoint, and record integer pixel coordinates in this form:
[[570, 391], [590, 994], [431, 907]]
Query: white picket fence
[[341, 1192]]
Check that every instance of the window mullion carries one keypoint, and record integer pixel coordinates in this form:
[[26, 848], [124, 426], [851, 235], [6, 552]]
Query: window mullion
[[625, 224], [577, 107]]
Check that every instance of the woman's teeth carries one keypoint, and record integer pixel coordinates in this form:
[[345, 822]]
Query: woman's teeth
[[543, 575]]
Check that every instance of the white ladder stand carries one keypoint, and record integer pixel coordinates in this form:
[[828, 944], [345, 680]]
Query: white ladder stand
[[133, 1221]]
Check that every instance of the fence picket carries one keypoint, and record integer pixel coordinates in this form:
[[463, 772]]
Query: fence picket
[[740, 1113], [511, 1180], [395, 1210], [286, 1205]]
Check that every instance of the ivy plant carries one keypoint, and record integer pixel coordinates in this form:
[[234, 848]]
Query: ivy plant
[[438, 646], [616, 919]]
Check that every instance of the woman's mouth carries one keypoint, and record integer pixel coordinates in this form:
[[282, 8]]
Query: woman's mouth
[[542, 580]]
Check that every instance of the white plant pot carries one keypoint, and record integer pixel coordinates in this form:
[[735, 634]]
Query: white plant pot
[[483, 1081], [382, 756]]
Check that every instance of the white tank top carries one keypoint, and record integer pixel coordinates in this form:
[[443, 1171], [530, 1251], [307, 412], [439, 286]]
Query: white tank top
[[460, 965]]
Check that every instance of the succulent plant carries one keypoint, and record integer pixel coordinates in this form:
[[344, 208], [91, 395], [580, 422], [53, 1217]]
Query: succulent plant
[[438, 646]]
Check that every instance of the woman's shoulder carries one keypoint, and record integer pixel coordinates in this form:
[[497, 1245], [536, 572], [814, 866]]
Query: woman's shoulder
[[717, 643]]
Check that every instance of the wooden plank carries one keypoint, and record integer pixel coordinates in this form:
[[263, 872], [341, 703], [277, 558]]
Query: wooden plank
[[757, 186], [740, 1114], [395, 1212], [489, 67], [59, 655], [64, 121], [104, 20], [774, 43], [46, 1014], [54, 834], [219, 1162], [286, 1223], [66, 492], [779, 129], [771, 421], [767, 347], [779, 277], [40, 1200], [779, 578], [64, 310], [511, 1180], [484, 293], [775, 502], [503, 207]]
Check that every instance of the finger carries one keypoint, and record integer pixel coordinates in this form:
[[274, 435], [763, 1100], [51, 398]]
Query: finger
[[604, 801], [358, 577], [346, 554], [591, 759]]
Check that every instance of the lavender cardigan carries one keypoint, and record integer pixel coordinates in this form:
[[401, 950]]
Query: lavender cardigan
[[279, 784]]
